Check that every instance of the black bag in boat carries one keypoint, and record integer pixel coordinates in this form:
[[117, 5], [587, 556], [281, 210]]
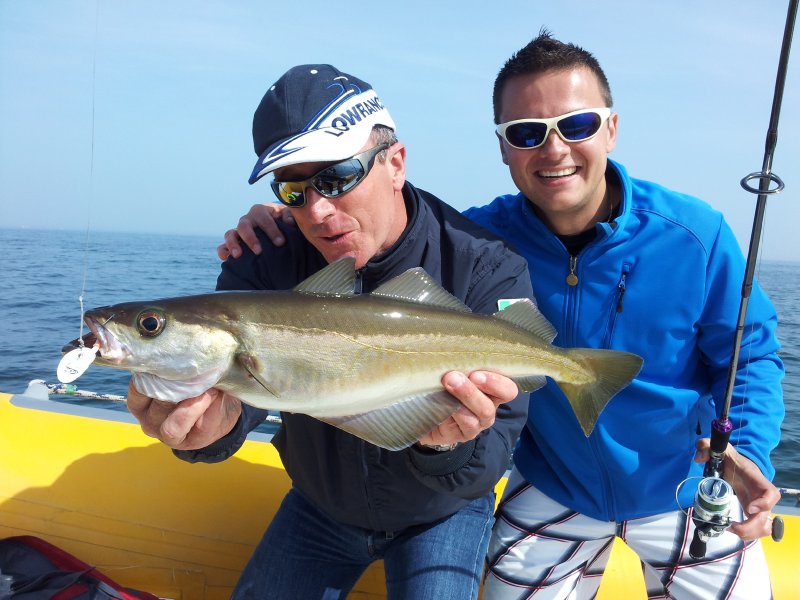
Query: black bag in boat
[[33, 569]]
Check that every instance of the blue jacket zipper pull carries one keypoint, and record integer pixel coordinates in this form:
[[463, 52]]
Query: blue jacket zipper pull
[[621, 288]]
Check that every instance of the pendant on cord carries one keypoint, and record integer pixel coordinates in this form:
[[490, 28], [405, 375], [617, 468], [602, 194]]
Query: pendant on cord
[[572, 279]]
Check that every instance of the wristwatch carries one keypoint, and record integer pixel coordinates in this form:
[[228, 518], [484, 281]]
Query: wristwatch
[[440, 447]]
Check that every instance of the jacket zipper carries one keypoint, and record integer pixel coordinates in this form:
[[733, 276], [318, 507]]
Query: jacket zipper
[[572, 281], [626, 268], [618, 305], [617, 308]]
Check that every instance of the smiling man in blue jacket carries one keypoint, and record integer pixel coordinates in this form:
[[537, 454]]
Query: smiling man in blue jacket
[[622, 263]]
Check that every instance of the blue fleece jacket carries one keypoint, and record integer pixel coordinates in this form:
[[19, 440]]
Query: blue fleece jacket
[[664, 281]]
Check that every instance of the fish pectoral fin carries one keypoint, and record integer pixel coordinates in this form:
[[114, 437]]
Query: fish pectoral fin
[[401, 424], [250, 364]]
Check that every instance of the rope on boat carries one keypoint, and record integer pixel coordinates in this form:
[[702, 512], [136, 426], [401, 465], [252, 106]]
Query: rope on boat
[[790, 492], [70, 389]]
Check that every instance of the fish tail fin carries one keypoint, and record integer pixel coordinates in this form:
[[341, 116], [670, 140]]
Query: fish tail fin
[[613, 371]]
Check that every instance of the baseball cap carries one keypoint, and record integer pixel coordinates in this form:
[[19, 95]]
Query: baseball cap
[[314, 113]]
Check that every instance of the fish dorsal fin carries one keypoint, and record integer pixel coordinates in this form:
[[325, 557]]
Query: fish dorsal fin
[[337, 279], [524, 313], [415, 285]]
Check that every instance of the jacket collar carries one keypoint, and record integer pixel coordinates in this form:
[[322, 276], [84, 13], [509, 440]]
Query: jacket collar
[[407, 252]]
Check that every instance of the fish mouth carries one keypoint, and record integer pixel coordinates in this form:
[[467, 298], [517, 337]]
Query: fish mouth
[[111, 350]]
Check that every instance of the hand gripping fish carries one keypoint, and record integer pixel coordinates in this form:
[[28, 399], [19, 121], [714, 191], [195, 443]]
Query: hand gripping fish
[[369, 364]]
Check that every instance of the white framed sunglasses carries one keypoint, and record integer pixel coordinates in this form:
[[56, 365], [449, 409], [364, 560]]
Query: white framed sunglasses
[[576, 126]]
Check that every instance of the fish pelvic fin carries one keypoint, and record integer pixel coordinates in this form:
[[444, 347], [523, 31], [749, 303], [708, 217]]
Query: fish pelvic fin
[[398, 426], [524, 313], [614, 370], [337, 279]]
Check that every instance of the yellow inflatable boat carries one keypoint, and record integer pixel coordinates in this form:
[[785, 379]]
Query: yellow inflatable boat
[[88, 480]]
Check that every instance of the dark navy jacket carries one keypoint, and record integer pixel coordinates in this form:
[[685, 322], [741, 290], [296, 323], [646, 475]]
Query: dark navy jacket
[[349, 479]]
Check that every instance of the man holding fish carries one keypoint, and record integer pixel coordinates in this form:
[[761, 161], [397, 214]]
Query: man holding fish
[[624, 263], [425, 509]]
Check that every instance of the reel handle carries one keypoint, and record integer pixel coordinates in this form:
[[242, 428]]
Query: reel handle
[[777, 528], [697, 549]]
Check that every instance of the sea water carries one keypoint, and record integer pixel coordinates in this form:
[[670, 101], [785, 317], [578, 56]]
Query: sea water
[[45, 273]]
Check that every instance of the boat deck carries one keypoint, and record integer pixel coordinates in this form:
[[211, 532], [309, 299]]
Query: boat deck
[[88, 480]]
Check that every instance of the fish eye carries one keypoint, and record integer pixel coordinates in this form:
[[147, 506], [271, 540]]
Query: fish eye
[[150, 323]]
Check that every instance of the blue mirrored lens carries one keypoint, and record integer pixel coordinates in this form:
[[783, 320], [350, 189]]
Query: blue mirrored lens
[[526, 135], [579, 127]]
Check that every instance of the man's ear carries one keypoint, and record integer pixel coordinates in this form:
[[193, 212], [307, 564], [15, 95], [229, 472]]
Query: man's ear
[[502, 149], [613, 122], [396, 161]]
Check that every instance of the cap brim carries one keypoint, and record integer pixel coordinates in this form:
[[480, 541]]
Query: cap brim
[[326, 144]]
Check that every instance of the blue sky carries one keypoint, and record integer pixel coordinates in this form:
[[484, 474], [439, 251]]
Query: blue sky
[[136, 116]]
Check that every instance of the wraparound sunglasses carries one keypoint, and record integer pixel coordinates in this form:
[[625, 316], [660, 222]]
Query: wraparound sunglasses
[[576, 126], [331, 181]]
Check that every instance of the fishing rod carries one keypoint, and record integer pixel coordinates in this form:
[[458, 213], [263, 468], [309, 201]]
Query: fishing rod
[[711, 506]]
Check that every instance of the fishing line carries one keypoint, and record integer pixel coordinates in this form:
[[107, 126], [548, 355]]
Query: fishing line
[[738, 431], [713, 491], [75, 362], [685, 511], [91, 173]]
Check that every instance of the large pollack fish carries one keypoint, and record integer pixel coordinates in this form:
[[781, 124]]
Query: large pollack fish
[[369, 364]]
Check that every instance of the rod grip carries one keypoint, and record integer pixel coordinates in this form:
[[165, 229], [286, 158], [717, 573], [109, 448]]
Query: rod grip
[[720, 434]]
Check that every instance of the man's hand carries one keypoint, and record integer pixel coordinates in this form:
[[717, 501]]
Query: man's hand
[[262, 216], [755, 492], [188, 425], [480, 393]]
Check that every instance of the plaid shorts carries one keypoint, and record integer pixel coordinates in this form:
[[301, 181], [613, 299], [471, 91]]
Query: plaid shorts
[[543, 550]]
